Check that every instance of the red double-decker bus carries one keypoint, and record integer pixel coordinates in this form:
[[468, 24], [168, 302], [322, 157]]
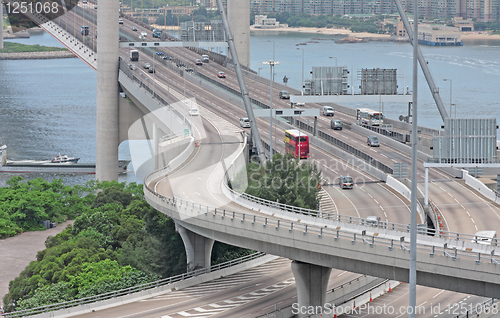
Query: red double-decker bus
[[294, 146]]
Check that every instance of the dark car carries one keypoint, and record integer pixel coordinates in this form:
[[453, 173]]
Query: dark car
[[134, 28], [151, 70], [336, 124], [160, 53], [372, 141], [284, 95]]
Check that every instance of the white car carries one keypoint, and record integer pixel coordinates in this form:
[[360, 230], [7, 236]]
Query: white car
[[244, 122], [144, 34], [194, 112]]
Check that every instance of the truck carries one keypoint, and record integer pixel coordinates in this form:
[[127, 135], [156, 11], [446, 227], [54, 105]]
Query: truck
[[85, 30], [134, 55], [157, 33], [205, 59]]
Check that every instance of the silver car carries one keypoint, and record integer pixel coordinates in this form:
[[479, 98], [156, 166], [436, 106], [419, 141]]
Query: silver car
[[244, 122], [346, 182], [372, 141]]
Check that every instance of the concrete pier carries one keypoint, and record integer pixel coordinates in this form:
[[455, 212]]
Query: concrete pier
[[107, 91], [311, 281], [198, 248]]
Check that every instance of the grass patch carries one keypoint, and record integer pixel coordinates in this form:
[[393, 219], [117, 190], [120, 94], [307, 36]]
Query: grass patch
[[11, 47]]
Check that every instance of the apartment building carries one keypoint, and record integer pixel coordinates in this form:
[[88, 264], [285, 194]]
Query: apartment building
[[482, 10]]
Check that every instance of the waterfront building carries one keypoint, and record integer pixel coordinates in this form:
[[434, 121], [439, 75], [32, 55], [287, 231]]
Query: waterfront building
[[482, 10]]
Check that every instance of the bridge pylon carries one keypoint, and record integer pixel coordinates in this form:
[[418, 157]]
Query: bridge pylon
[[107, 118], [238, 14]]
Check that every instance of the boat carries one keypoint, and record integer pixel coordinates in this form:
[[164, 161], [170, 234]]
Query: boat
[[64, 159], [61, 164]]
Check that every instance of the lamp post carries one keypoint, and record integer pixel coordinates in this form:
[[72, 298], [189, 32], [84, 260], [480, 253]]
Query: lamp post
[[333, 57], [302, 83], [259, 70], [271, 63], [449, 80]]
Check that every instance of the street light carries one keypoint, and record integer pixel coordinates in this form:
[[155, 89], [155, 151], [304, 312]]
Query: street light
[[333, 57], [446, 80], [259, 70], [271, 63], [302, 83]]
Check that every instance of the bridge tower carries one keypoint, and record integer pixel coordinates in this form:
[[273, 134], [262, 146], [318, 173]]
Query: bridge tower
[[238, 15], [1, 30], [107, 91]]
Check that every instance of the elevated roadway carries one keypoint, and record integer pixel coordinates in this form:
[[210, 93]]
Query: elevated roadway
[[235, 114]]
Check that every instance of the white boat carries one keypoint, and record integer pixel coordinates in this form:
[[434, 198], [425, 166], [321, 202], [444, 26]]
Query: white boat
[[64, 159]]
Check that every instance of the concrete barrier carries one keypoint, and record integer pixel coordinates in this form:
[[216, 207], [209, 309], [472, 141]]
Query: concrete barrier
[[101, 305], [480, 187], [340, 296]]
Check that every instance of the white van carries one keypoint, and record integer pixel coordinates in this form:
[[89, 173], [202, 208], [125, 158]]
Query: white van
[[194, 112], [372, 220], [205, 58], [244, 122], [485, 237], [328, 111]]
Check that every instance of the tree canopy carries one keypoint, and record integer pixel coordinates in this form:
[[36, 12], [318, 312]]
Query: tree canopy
[[117, 240], [285, 179]]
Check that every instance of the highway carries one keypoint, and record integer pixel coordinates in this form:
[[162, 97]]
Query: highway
[[474, 213], [451, 196]]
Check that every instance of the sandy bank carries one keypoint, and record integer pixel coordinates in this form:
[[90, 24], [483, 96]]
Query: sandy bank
[[328, 31], [364, 35]]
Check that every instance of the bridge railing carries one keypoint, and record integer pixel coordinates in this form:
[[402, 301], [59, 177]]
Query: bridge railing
[[134, 289], [336, 288], [489, 308], [444, 249], [126, 70], [382, 225]]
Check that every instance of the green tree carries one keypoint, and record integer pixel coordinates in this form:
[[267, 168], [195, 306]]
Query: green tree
[[285, 180]]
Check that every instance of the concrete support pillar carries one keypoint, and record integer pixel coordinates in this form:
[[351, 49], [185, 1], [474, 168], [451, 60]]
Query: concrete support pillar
[[107, 91], [426, 187], [198, 248], [1, 30], [238, 15], [315, 131], [156, 146], [312, 282]]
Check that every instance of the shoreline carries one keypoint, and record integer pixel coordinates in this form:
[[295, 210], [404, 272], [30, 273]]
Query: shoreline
[[37, 55], [475, 35]]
